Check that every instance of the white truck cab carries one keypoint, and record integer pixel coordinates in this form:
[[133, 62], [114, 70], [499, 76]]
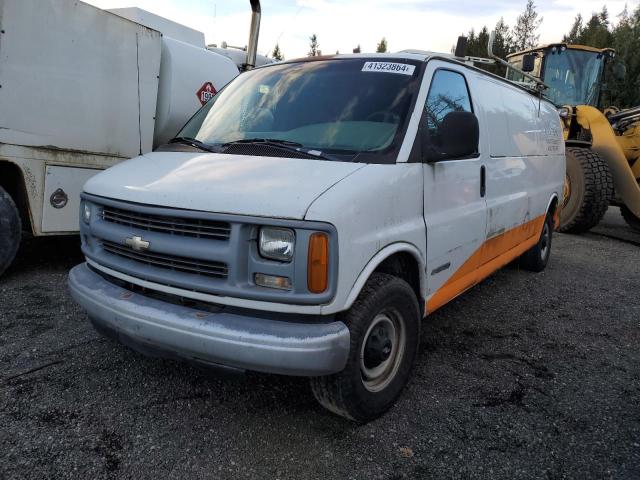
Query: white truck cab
[[310, 215]]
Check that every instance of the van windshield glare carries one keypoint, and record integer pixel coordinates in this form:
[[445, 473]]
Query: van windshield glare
[[340, 106]]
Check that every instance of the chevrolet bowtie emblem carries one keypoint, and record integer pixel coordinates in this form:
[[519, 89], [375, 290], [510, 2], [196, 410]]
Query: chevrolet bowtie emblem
[[136, 243]]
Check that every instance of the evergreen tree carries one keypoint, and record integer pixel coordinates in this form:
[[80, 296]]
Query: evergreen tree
[[382, 46], [277, 53], [596, 32], [524, 32], [481, 43], [625, 39], [313, 46], [503, 45], [576, 30]]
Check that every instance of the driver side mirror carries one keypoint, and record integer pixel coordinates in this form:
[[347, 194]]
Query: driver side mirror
[[528, 62], [457, 137]]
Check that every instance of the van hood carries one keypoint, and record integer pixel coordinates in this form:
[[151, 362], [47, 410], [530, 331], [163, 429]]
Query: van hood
[[221, 183]]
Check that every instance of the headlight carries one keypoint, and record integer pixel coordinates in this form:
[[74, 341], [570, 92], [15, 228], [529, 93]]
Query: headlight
[[277, 243], [86, 212]]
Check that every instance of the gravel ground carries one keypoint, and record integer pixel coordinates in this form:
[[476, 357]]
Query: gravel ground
[[525, 376]]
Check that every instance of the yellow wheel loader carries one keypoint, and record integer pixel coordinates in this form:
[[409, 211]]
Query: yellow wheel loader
[[602, 143]]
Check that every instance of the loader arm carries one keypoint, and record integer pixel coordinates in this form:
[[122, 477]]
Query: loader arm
[[607, 145]]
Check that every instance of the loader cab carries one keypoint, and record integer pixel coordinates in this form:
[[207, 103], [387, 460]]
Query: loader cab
[[574, 73]]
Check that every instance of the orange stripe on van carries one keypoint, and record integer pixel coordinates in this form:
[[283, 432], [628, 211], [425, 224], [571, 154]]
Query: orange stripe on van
[[492, 255]]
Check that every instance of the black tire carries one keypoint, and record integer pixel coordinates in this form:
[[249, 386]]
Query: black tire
[[536, 258], [630, 218], [351, 393], [589, 187], [10, 230]]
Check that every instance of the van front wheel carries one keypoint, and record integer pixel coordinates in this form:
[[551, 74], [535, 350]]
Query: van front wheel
[[10, 230], [384, 323]]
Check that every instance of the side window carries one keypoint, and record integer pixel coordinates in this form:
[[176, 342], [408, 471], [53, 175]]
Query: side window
[[448, 93]]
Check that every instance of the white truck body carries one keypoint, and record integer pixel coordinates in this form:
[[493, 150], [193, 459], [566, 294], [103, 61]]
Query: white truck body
[[439, 225], [83, 89]]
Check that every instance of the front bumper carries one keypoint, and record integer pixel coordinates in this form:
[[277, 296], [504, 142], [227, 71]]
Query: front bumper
[[229, 339]]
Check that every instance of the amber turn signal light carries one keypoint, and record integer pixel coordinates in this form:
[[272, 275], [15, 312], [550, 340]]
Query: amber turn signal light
[[318, 263]]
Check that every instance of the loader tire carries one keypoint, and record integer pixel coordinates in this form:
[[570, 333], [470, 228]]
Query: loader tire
[[10, 230], [588, 190], [630, 218]]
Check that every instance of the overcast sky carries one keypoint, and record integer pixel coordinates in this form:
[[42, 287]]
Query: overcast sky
[[343, 24]]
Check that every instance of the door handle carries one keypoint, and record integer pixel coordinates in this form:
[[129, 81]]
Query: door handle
[[483, 181]]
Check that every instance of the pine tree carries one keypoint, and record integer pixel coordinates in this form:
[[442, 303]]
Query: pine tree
[[482, 42], [596, 32], [625, 39], [277, 53], [382, 46], [503, 45], [313, 46], [576, 30], [524, 32]]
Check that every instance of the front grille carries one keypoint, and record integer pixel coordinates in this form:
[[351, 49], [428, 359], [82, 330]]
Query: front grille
[[186, 227], [171, 262]]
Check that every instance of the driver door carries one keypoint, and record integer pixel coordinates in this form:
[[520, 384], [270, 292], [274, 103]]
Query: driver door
[[455, 210]]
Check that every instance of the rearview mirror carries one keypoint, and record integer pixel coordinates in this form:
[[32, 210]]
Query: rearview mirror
[[457, 137], [528, 62]]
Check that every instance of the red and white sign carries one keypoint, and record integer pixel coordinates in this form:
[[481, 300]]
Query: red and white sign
[[206, 92]]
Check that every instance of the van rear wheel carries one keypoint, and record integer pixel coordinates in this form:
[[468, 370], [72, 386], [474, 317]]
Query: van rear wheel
[[536, 258], [384, 323], [10, 230]]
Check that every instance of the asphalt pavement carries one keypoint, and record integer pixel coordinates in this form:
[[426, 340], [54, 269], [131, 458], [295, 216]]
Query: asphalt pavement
[[525, 376]]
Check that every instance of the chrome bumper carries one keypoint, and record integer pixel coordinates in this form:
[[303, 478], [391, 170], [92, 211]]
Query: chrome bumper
[[229, 339]]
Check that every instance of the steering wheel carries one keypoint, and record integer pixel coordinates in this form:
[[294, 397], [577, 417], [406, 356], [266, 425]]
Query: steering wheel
[[384, 116]]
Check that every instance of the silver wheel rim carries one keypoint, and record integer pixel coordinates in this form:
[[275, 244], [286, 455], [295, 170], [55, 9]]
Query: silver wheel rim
[[545, 241], [378, 376]]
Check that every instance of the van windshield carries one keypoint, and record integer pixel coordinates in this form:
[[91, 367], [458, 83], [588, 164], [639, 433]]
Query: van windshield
[[351, 107]]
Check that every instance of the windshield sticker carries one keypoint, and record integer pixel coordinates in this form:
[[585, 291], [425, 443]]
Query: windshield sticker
[[388, 67]]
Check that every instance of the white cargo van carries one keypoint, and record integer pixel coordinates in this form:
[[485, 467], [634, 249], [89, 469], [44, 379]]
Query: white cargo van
[[309, 216]]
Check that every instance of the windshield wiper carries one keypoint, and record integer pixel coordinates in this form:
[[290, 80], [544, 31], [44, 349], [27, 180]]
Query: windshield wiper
[[285, 145], [194, 143], [266, 141]]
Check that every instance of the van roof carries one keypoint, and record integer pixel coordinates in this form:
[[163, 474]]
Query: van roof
[[416, 55], [419, 55]]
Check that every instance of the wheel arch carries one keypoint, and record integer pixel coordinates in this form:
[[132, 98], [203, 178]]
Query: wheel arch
[[552, 208], [400, 259], [12, 180]]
